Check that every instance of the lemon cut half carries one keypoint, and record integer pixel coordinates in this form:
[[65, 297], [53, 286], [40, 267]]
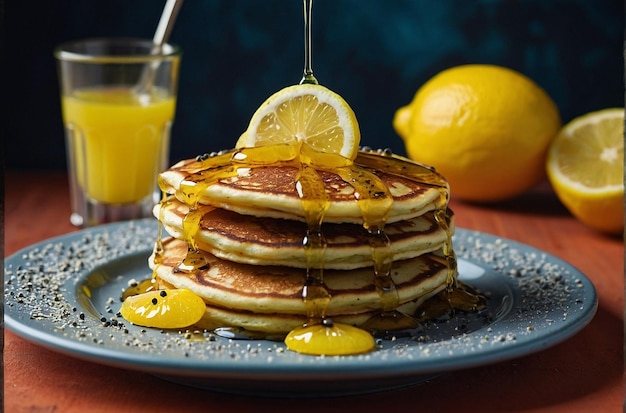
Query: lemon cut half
[[585, 165], [309, 114]]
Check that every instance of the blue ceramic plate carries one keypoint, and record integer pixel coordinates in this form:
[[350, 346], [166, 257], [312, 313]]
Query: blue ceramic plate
[[63, 294]]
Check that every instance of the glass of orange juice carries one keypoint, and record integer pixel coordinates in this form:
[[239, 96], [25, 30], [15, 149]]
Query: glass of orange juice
[[118, 98]]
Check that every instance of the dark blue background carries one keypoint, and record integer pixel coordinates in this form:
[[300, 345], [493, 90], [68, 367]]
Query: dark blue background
[[376, 53]]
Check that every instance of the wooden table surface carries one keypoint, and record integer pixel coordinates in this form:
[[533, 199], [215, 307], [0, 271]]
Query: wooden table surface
[[582, 374]]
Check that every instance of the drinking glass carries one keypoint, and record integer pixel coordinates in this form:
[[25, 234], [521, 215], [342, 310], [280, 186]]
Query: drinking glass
[[118, 99]]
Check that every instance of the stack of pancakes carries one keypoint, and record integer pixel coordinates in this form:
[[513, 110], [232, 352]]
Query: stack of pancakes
[[236, 240]]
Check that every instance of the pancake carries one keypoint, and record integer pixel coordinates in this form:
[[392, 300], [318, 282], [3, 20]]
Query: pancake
[[270, 241], [271, 191], [267, 291], [217, 317], [279, 324]]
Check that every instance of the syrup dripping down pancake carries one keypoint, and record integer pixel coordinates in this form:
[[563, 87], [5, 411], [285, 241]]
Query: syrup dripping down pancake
[[270, 297], [271, 241], [271, 191]]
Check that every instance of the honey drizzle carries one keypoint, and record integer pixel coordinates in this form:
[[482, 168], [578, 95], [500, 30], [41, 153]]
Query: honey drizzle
[[441, 217], [315, 203], [190, 191], [457, 295], [375, 201], [206, 171], [426, 176], [150, 284], [158, 246]]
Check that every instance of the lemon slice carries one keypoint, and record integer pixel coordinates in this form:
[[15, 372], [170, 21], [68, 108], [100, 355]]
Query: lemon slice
[[309, 114], [585, 165]]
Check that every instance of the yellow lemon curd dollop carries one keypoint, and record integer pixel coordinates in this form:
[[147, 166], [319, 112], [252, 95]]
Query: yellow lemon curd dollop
[[330, 339], [170, 308]]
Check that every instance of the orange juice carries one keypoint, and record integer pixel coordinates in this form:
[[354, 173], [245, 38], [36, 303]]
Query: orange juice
[[116, 143]]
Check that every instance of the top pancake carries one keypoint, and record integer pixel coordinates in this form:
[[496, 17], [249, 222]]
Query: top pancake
[[271, 190]]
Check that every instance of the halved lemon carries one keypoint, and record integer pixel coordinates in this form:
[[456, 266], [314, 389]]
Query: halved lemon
[[585, 165], [307, 114]]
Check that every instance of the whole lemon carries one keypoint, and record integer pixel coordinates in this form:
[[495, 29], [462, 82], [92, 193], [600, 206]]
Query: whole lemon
[[485, 128]]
